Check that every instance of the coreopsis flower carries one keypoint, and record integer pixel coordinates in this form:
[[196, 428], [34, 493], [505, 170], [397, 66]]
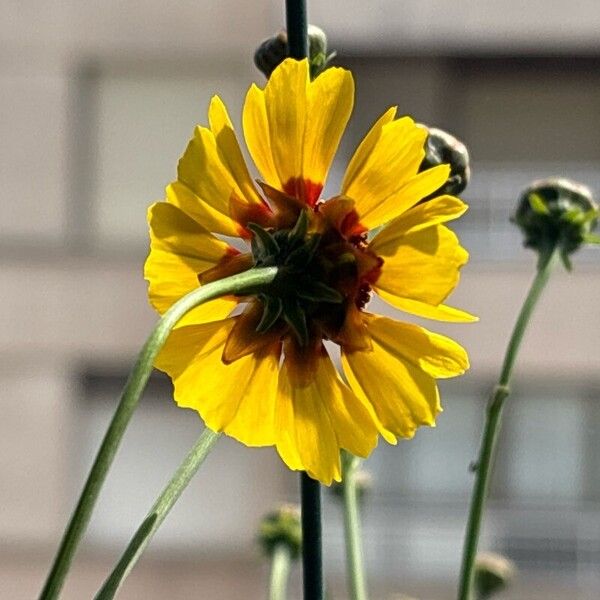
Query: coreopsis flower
[[262, 374]]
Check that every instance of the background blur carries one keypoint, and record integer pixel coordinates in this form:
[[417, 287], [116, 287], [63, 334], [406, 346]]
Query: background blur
[[97, 102]]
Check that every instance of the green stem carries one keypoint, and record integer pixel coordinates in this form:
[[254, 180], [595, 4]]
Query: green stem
[[280, 572], [157, 514], [312, 542], [127, 404], [492, 427], [352, 529]]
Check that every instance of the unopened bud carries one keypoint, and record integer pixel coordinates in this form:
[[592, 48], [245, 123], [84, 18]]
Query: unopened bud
[[443, 148], [557, 213], [274, 50], [281, 527], [493, 573]]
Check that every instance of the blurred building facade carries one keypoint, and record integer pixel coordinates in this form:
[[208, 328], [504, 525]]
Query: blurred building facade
[[98, 101]]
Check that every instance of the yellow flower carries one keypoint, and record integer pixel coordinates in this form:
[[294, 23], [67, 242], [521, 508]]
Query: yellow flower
[[264, 376]]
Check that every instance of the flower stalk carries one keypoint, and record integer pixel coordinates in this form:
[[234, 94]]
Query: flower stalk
[[129, 400], [352, 529], [280, 572], [501, 391], [158, 513], [312, 559]]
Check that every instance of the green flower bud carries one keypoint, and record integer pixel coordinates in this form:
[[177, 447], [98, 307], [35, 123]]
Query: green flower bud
[[281, 526], [557, 212], [274, 51], [443, 148], [271, 53], [493, 573]]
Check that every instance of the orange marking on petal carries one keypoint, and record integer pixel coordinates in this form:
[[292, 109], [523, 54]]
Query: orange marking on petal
[[243, 213], [304, 189], [301, 361], [340, 213], [243, 338]]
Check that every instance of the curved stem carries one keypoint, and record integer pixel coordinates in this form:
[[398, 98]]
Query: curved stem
[[157, 514], [312, 558], [127, 404], [492, 428], [354, 556], [280, 571]]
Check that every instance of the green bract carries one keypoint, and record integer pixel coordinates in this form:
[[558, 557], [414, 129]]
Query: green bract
[[301, 287]]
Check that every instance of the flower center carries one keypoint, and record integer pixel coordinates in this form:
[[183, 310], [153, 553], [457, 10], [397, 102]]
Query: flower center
[[321, 277]]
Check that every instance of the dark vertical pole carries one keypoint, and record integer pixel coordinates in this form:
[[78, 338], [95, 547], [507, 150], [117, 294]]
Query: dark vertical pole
[[297, 28], [312, 559]]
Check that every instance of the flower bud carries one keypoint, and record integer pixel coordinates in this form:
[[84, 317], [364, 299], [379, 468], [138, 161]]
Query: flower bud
[[274, 51], [281, 526], [556, 212], [443, 148], [271, 53], [493, 573]]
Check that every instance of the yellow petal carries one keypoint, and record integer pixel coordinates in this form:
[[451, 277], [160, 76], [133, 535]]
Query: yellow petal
[[206, 215], [316, 442], [436, 354], [330, 101], [419, 265], [416, 188], [220, 393], [286, 105], [229, 149], [286, 437], [179, 250], [385, 162], [441, 312], [203, 171], [365, 148], [254, 423], [402, 394], [433, 212], [257, 136]]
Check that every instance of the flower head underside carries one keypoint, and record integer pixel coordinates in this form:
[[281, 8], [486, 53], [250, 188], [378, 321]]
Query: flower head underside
[[264, 375]]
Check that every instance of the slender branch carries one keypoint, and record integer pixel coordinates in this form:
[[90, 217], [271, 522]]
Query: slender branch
[[157, 514], [355, 569], [492, 427], [297, 28], [129, 400], [312, 559], [280, 572]]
